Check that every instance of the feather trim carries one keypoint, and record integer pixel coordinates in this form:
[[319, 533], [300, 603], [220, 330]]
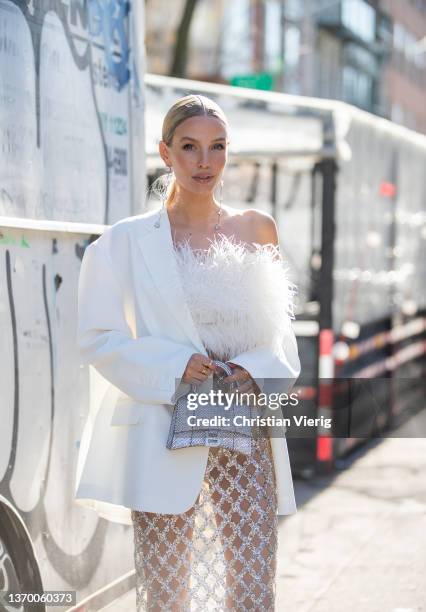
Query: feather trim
[[239, 298]]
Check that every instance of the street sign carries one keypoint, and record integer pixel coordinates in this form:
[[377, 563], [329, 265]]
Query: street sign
[[261, 80]]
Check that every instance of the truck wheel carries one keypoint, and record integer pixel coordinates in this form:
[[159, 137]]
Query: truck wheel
[[19, 571]]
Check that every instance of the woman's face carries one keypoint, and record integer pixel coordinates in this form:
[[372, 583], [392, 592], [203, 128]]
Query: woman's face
[[199, 149]]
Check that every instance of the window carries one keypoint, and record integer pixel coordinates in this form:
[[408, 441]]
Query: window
[[408, 45], [357, 87], [360, 57], [360, 18], [398, 37], [397, 113], [292, 46], [294, 9], [291, 59]]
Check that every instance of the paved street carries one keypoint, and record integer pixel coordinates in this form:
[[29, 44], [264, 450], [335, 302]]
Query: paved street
[[358, 540]]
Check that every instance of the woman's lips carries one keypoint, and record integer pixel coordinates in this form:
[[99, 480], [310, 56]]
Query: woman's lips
[[202, 180]]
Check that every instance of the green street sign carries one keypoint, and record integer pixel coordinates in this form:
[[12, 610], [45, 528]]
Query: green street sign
[[261, 80]]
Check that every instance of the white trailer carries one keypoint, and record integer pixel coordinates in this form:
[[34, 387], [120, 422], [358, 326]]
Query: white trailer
[[347, 190]]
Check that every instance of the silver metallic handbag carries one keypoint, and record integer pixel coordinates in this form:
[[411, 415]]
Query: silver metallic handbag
[[227, 434]]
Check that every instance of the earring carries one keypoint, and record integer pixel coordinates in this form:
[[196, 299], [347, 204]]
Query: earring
[[164, 197], [217, 226]]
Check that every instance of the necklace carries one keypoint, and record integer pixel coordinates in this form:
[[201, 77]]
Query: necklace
[[217, 225], [219, 212], [186, 237]]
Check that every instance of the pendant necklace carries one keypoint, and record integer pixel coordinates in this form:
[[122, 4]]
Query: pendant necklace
[[219, 212]]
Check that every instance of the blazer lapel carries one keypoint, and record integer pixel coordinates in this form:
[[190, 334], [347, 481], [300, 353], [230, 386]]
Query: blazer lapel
[[158, 251]]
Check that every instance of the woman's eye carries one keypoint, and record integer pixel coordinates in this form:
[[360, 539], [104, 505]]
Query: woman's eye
[[185, 147]]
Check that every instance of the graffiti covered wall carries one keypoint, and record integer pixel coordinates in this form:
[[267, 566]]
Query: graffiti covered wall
[[71, 109], [45, 400]]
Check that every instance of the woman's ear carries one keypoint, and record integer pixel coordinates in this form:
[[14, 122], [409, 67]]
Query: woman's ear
[[163, 150]]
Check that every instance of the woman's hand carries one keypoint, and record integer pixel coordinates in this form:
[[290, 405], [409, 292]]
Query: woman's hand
[[198, 369], [245, 382]]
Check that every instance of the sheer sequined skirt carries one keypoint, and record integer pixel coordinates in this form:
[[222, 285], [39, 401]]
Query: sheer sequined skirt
[[220, 554]]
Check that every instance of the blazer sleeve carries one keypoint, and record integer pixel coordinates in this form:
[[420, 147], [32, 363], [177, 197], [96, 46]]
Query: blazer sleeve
[[275, 369], [147, 368]]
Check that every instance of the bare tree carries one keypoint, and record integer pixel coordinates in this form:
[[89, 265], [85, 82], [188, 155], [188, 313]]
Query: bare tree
[[180, 52]]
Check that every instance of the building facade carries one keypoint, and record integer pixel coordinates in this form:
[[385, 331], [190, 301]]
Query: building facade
[[405, 79], [370, 53]]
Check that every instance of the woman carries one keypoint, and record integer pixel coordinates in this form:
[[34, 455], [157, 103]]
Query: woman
[[220, 552]]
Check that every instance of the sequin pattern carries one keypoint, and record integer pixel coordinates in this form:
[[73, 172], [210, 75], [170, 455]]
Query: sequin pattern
[[220, 555]]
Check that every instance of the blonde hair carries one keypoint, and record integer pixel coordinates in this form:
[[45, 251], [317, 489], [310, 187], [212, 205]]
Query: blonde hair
[[193, 105]]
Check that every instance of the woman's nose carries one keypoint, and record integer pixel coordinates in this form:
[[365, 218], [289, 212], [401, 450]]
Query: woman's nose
[[204, 158]]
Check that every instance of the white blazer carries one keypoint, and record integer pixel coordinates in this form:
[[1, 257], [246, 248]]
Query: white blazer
[[136, 331]]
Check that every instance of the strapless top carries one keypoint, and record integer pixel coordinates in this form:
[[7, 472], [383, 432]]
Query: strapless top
[[239, 298]]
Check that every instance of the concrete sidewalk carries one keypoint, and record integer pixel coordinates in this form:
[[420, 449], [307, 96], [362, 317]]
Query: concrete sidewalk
[[358, 542]]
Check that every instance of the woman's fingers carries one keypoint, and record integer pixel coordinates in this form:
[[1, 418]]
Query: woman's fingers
[[245, 387], [245, 383], [240, 376], [201, 361], [198, 369]]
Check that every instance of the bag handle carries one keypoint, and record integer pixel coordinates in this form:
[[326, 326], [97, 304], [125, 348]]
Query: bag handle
[[225, 367]]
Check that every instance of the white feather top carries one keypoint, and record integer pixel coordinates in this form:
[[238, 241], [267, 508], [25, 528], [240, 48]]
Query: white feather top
[[239, 298]]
